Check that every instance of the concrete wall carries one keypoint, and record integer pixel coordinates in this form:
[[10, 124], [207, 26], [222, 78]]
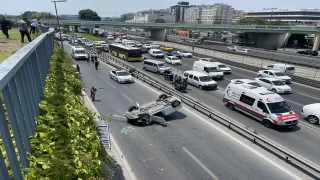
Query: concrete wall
[[159, 34], [269, 40]]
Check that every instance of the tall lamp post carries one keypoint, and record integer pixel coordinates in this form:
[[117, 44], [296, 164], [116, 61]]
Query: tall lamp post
[[194, 34], [55, 6]]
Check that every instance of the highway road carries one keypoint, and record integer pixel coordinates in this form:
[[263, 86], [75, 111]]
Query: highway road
[[303, 139], [191, 147], [261, 53]]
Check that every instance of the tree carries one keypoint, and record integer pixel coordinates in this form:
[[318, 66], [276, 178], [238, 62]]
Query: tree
[[38, 15], [253, 21], [278, 23], [89, 15], [160, 21]]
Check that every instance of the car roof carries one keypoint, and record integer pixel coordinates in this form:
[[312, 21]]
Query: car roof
[[171, 56], [154, 61], [207, 63], [78, 48], [195, 73], [156, 50], [242, 80], [286, 65], [121, 70], [271, 70]]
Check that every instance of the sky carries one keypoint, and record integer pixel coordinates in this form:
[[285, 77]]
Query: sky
[[109, 8]]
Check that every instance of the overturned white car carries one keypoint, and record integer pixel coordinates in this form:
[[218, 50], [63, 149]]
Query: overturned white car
[[154, 111]]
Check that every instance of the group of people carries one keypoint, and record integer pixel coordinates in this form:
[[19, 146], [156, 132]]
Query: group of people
[[22, 26]]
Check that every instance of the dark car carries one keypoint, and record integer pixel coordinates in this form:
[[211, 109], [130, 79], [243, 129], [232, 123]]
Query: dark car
[[174, 53], [308, 52]]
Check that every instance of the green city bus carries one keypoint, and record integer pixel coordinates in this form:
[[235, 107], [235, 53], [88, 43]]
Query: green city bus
[[125, 52]]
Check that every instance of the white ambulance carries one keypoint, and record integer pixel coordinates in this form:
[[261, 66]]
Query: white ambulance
[[259, 103]]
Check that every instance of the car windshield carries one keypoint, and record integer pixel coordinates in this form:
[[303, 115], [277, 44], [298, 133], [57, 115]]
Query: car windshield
[[279, 107], [147, 44], [213, 69], [205, 78], [123, 73], [279, 74], [79, 52], [277, 83], [157, 52], [290, 68], [222, 66], [162, 65], [174, 58], [103, 43], [210, 60], [254, 84], [139, 46]]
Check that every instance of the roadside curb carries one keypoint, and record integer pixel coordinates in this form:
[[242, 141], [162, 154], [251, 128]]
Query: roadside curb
[[115, 152]]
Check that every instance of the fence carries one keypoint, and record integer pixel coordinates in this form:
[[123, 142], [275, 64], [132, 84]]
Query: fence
[[22, 79]]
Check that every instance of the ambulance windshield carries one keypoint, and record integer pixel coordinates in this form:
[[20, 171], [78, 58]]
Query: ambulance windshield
[[279, 107]]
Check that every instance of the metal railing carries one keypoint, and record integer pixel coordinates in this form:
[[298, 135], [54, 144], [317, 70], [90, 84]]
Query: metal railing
[[22, 79], [288, 156]]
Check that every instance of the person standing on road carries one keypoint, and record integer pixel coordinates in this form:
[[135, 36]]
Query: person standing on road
[[5, 27], [34, 26], [23, 29]]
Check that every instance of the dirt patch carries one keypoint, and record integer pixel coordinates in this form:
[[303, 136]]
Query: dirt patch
[[10, 45]]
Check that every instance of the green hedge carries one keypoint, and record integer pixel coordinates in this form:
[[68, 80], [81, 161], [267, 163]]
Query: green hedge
[[66, 143]]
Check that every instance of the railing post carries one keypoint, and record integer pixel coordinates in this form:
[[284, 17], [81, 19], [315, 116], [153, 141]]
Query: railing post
[[33, 89], [3, 168], [7, 142], [15, 126]]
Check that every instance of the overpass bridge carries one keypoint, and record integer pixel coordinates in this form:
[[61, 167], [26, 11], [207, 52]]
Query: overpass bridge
[[265, 36]]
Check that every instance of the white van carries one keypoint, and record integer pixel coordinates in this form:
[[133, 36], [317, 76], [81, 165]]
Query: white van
[[259, 103], [156, 53], [208, 68], [78, 53], [200, 80], [158, 67], [284, 68]]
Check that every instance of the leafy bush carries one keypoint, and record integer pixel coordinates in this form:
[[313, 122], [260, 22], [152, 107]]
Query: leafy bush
[[66, 143]]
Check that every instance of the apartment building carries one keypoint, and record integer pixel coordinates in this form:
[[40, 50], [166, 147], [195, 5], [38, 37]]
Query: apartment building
[[218, 13]]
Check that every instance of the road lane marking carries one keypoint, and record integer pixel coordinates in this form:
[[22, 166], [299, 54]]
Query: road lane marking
[[111, 85], [308, 95], [200, 164], [127, 98], [100, 76], [293, 102]]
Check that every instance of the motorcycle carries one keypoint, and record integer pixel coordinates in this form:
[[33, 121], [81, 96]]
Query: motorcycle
[[180, 85]]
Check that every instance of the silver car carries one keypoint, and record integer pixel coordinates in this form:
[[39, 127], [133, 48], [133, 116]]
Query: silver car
[[158, 67]]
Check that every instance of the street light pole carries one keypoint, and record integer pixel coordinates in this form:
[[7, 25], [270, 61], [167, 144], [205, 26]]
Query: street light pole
[[55, 6]]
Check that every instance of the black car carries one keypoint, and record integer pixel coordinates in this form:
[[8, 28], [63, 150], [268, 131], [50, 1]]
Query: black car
[[174, 53], [308, 52]]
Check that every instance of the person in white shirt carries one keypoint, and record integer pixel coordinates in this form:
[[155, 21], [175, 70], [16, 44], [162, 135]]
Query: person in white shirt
[[34, 26]]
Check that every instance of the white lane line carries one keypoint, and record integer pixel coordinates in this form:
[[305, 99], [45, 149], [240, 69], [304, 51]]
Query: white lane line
[[293, 102], [233, 138], [200, 164], [127, 98], [308, 95], [111, 85], [100, 76]]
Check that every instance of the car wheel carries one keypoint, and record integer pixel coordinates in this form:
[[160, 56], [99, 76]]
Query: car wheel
[[274, 90], [267, 124], [158, 72], [200, 87], [259, 76], [163, 97], [144, 68], [118, 81], [313, 119], [145, 118], [230, 106], [175, 103], [132, 108]]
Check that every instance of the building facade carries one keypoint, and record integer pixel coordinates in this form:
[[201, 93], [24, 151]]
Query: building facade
[[210, 14], [293, 17], [237, 15]]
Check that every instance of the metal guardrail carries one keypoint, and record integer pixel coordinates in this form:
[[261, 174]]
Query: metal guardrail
[[291, 158], [311, 62], [22, 79]]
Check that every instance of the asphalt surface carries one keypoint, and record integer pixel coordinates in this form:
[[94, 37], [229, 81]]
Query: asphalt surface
[[191, 147], [303, 139]]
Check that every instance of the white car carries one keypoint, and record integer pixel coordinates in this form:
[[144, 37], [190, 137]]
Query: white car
[[184, 54], [224, 68], [274, 85], [311, 112], [208, 60], [121, 76], [148, 46], [155, 46], [172, 60], [88, 44], [274, 74], [118, 40], [110, 37]]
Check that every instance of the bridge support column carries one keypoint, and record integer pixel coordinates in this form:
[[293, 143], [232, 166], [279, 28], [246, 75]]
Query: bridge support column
[[269, 40], [316, 43], [76, 29], [159, 34]]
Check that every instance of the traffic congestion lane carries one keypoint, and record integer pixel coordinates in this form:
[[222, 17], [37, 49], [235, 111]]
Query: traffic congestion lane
[[295, 139], [302, 95], [186, 149]]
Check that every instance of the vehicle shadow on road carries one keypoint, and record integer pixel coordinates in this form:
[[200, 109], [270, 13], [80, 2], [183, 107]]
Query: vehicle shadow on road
[[287, 130], [175, 116]]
